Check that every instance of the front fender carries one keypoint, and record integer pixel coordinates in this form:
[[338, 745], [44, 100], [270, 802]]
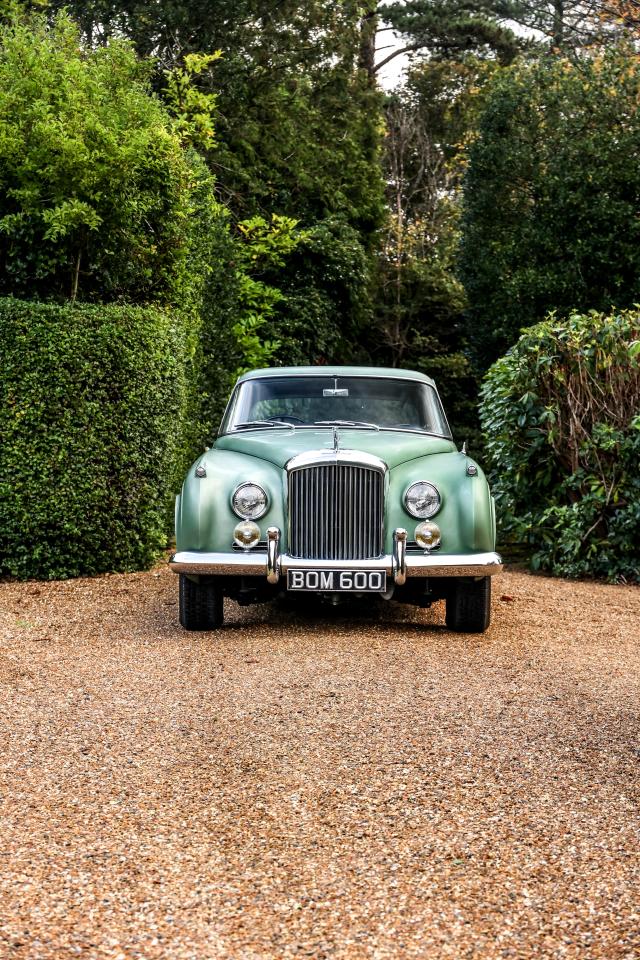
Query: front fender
[[465, 517], [204, 517]]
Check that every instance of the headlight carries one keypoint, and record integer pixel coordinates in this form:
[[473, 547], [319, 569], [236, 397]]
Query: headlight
[[249, 501], [422, 500]]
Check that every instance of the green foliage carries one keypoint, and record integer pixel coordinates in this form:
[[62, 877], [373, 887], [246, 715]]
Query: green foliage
[[93, 182], [193, 109], [106, 199], [327, 290], [92, 403], [239, 308], [297, 133], [561, 418], [550, 211], [266, 246]]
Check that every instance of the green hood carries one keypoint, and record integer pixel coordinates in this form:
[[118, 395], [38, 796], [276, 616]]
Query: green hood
[[279, 445]]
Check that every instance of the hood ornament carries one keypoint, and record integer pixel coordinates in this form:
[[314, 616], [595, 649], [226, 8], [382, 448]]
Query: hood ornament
[[336, 440]]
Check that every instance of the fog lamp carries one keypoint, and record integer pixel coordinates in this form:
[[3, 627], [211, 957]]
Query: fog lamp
[[428, 535], [246, 534]]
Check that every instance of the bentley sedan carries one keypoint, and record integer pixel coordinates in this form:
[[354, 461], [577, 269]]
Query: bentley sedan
[[335, 481]]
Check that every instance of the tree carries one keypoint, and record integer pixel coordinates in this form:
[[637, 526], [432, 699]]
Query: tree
[[551, 196], [564, 26], [452, 28], [93, 183], [298, 130], [105, 199], [418, 300]]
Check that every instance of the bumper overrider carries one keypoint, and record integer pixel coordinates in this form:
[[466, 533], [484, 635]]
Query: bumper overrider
[[274, 564]]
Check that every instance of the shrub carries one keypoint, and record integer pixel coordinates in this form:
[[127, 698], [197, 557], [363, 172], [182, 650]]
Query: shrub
[[91, 411], [561, 417]]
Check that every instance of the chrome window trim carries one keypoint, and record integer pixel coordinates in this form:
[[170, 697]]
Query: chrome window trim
[[332, 376], [356, 376], [314, 426]]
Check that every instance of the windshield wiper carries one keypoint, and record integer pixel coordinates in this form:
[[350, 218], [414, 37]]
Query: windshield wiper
[[345, 423], [250, 424]]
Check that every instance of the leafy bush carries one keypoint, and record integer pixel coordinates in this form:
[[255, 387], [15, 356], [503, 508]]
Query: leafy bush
[[561, 417], [91, 409]]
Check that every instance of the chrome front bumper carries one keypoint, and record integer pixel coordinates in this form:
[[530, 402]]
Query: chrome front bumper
[[399, 564]]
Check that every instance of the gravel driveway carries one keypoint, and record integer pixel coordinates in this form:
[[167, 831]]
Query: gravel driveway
[[361, 785]]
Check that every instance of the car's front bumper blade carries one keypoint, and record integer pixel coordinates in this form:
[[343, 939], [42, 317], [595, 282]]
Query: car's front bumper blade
[[250, 564]]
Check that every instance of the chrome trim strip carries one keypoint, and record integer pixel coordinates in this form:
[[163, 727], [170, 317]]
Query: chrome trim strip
[[322, 372], [428, 565], [399, 560], [219, 564], [319, 457]]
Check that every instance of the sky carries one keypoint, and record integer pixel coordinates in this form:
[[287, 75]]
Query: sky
[[391, 74]]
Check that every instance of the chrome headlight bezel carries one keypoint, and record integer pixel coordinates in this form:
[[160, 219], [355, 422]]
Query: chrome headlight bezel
[[246, 514], [431, 508]]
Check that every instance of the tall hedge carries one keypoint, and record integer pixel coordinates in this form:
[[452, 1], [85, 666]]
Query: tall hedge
[[561, 418], [91, 415]]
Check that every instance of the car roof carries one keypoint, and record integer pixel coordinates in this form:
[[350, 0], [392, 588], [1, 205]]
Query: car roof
[[327, 371]]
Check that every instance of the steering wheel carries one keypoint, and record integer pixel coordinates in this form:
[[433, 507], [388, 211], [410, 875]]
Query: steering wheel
[[287, 418]]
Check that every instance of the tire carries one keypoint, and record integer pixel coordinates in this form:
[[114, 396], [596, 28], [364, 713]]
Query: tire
[[201, 604], [469, 606]]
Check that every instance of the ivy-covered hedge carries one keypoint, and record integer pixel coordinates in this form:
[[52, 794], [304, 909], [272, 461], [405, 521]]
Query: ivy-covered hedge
[[561, 418], [92, 402]]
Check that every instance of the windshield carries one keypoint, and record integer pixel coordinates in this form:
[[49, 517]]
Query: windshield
[[364, 402]]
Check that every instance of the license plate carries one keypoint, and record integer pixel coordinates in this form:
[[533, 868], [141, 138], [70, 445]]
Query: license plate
[[357, 581]]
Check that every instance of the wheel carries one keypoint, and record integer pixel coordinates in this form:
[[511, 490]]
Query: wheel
[[200, 604], [469, 606]]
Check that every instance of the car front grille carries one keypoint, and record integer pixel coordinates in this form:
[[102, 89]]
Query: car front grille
[[336, 512]]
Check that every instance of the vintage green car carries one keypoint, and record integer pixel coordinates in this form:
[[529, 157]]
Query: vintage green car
[[337, 481]]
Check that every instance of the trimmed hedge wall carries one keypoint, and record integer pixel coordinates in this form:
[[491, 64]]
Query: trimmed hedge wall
[[92, 402]]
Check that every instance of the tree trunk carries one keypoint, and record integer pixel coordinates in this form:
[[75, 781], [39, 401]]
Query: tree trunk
[[76, 277], [558, 23], [368, 28]]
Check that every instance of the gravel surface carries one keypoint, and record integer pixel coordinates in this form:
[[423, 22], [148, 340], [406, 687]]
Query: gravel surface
[[361, 784]]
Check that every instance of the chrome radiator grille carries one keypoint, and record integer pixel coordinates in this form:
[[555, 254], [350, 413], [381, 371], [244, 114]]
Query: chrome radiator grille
[[335, 512]]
